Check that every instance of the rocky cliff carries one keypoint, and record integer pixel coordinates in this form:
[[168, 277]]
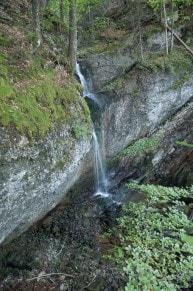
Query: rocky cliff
[[46, 130], [134, 104], [45, 127], [163, 157], [36, 177]]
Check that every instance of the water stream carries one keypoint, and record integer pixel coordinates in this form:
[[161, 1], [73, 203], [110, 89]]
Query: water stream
[[86, 91], [101, 181]]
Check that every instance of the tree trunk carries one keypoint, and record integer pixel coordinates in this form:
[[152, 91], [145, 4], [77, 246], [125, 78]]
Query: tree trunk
[[180, 40], [165, 23], [47, 3], [61, 16], [72, 47], [172, 35], [36, 24]]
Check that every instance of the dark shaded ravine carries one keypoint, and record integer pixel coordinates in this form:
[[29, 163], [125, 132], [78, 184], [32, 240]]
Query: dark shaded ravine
[[67, 241], [65, 250]]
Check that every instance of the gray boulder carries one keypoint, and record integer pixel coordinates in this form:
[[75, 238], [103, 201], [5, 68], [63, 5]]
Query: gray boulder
[[36, 176]]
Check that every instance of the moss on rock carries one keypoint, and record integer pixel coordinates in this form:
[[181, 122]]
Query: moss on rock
[[33, 99], [35, 90], [142, 146]]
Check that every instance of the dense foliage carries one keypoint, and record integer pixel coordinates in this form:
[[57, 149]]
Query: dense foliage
[[36, 87], [157, 3], [155, 248]]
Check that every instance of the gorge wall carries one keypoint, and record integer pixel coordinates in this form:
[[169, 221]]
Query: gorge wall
[[135, 98], [36, 177], [133, 101]]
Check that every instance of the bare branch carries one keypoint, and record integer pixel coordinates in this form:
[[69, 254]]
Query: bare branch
[[49, 275], [180, 40]]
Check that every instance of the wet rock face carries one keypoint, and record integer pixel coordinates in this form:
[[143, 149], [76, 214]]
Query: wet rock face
[[103, 68], [36, 177], [173, 163], [169, 163], [138, 104]]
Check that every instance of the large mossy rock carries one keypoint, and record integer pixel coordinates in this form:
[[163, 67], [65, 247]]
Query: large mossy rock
[[35, 176]]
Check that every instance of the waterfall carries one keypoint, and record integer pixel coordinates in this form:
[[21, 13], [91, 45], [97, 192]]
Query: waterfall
[[101, 181], [86, 91], [82, 81]]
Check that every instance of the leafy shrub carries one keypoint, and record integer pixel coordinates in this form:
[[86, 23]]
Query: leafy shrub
[[154, 252], [179, 63], [142, 146], [184, 143]]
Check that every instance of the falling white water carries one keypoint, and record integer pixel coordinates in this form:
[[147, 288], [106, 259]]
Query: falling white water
[[86, 92], [100, 175], [101, 181]]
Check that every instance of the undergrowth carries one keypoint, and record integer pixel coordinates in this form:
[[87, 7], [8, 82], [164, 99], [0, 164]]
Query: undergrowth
[[179, 62], [35, 97], [141, 146], [185, 144], [35, 90], [154, 249]]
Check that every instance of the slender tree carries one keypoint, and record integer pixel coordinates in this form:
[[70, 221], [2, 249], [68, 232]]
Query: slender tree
[[36, 23], [47, 3], [72, 46], [165, 25], [172, 27], [61, 15]]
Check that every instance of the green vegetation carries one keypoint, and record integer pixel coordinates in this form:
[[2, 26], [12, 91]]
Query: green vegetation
[[185, 144], [136, 91], [141, 146], [4, 39], [33, 94], [38, 97], [151, 30], [35, 90], [3, 69], [116, 84], [156, 4], [153, 249], [80, 131], [179, 62]]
